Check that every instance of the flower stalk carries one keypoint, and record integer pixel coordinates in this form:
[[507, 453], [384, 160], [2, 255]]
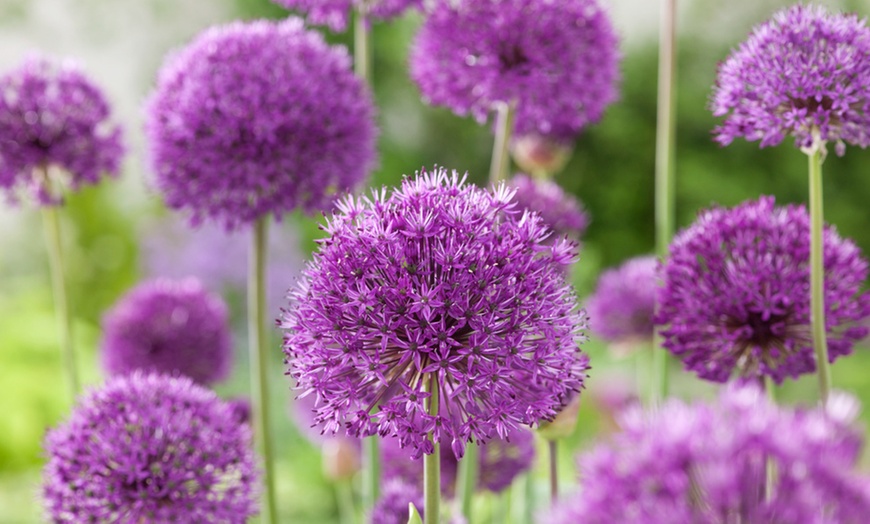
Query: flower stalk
[[552, 447], [259, 374], [817, 273], [432, 463], [54, 243], [504, 123], [468, 478], [361, 44]]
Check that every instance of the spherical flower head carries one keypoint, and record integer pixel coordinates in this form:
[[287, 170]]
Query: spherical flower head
[[622, 307], [557, 61], [53, 116], [736, 293], [254, 118], [503, 460], [439, 288], [804, 73], [706, 464], [169, 326], [392, 507], [560, 211], [150, 448], [336, 13]]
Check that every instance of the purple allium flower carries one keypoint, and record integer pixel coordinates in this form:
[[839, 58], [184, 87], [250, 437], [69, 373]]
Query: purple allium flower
[[335, 13], [705, 464], [341, 453], [241, 409], [150, 448], [392, 507], [736, 293], [560, 211], [52, 115], [501, 460], [556, 60], [438, 286], [257, 118], [804, 73], [622, 307], [169, 326]]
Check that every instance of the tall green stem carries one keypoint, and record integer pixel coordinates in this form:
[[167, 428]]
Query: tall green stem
[[432, 463], [467, 479], [259, 374], [817, 275], [665, 154], [361, 47], [504, 123], [51, 223], [371, 472]]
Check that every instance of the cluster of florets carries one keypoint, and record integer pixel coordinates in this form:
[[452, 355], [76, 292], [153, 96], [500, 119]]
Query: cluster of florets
[[560, 211], [707, 464], [336, 13], [169, 326], [150, 448], [557, 61], [53, 116], [623, 305], [804, 73], [440, 288], [736, 294], [259, 118]]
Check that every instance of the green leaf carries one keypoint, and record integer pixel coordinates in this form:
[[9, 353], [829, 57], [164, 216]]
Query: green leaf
[[413, 515]]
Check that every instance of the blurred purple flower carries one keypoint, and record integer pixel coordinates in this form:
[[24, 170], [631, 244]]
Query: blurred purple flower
[[336, 13], [150, 448], [439, 286], [556, 60], [219, 258], [52, 115], [622, 307], [259, 118], [240, 407], [706, 464], [170, 327], [560, 211], [736, 294], [804, 73], [392, 507]]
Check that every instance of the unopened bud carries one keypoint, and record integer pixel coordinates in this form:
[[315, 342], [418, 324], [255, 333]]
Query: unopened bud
[[539, 155]]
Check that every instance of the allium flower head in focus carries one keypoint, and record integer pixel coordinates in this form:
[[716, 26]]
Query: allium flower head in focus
[[736, 297], [804, 73], [169, 326], [53, 116], [706, 464], [436, 287], [150, 448], [257, 118], [560, 211], [336, 13], [622, 307], [556, 60]]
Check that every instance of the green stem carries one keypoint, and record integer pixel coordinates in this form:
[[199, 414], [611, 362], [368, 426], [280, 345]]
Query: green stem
[[346, 506], [467, 479], [51, 223], [432, 463], [554, 469], [817, 275], [504, 123], [527, 507], [371, 472], [259, 375], [664, 172], [769, 464], [361, 47]]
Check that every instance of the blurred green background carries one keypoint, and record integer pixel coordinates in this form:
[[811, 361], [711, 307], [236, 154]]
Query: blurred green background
[[121, 44]]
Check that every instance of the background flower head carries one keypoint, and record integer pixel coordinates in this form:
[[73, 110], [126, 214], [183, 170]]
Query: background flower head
[[736, 294], [560, 211], [53, 116], [169, 326], [436, 286], [556, 60], [392, 506], [254, 118], [804, 73], [336, 13], [150, 448], [622, 307], [705, 463]]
